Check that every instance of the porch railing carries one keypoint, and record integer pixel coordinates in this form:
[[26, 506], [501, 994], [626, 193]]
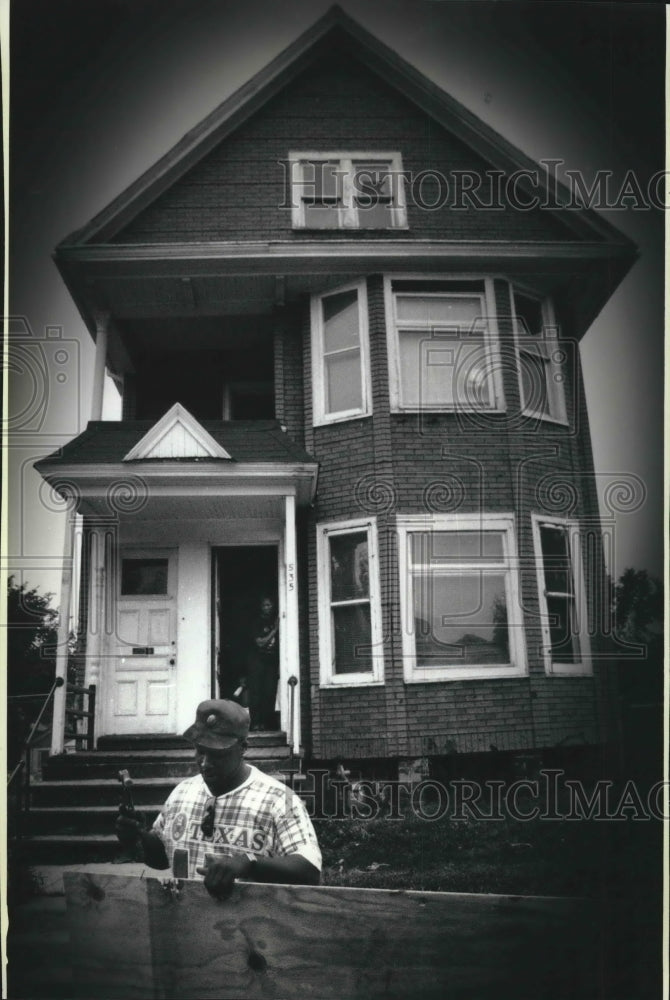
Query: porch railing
[[80, 706], [18, 791], [292, 734]]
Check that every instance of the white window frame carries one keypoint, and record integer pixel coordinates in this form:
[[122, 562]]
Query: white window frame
[[547, 346], [327, 675], [504, 523], [490, 335], [348, 217], [319, 414], [584, 666]]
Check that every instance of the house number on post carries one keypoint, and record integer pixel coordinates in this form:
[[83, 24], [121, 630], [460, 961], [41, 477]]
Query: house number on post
[[290, 574]]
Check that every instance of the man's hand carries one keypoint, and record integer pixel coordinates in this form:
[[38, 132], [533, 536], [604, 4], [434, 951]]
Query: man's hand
[[220, 873], [129, 826]]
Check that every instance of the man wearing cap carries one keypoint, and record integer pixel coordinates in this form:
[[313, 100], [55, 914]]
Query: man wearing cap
[[230, 820]]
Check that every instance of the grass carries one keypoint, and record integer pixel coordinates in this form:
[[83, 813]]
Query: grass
[[539, 857]]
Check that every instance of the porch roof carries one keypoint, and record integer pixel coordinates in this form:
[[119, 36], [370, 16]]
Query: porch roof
[[109, 441]]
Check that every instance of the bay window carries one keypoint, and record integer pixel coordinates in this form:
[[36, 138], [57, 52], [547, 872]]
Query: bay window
[[540, 357], [562, 598], [459, 588], [350, 649], [443, 346], [340, 368]]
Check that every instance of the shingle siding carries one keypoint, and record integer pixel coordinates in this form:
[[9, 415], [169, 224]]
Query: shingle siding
[[237, 191], [390, 464]]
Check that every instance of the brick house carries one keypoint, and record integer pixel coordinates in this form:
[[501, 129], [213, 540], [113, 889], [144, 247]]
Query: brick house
[[343, 315]]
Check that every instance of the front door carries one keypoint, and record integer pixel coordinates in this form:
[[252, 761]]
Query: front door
[[245, 575], [142, 699]]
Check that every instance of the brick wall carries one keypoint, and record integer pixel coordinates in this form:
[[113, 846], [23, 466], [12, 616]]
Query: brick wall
[[388, 464]]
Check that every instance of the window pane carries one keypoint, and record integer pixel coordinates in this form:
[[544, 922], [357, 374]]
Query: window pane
[[322, 216], [352, 638], [562, 629], [343, 382], [340, 321], [372, 182], [535, 372], [457, 546], [320, 180], [374, 195], [374, 216], [528, 315], [460, 619], [440, 310], [556, 559], [437, 371], [554, 541], [144, 576], [349, 566]]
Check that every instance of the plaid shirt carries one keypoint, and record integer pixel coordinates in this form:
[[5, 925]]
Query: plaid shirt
[[260, 818]]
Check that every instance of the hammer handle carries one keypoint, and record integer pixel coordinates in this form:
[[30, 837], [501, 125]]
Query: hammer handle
[[126, 785]]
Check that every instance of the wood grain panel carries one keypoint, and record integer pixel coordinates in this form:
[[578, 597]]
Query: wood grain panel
[[134, 938]]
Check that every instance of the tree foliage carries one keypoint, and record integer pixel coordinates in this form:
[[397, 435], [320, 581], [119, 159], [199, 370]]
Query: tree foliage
[[32, 636], [638, 607]]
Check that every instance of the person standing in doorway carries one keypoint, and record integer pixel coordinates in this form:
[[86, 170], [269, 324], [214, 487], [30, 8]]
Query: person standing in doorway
[[263, 666]]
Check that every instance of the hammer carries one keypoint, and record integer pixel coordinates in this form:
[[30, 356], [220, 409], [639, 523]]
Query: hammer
[[126, 785]]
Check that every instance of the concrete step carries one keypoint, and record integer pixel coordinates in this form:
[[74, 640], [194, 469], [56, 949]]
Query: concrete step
[[147, 792], [100, 792], [266, 737], [73, 809], [53, 821], [148, 763], [66, 849]]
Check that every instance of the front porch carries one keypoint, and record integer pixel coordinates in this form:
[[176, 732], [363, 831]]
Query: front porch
[[176, 548]]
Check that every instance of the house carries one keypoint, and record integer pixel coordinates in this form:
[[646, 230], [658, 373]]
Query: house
[[343, 316]]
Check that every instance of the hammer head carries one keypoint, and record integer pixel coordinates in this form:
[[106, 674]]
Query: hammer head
[[125, 778]]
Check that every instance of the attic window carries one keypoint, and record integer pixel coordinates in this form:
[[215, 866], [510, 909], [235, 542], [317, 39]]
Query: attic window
[[360, 190]]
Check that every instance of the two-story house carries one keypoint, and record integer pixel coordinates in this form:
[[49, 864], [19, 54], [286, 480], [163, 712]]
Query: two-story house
[[343, 315]]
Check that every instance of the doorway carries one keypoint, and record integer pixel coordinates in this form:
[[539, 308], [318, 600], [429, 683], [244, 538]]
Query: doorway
[[243, 576]]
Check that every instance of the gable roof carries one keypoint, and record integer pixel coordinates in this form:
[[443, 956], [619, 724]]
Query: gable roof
[[230, 114], [176, 435]]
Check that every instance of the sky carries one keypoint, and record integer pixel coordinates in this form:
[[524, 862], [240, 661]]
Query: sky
[[100, 90]]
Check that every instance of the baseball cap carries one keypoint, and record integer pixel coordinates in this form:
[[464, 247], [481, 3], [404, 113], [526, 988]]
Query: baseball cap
[[218, 724]]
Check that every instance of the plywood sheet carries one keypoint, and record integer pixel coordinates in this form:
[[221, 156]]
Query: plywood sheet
[[134, 938]]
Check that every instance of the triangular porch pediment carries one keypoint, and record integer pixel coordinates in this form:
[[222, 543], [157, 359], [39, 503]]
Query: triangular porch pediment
[[176, 435]]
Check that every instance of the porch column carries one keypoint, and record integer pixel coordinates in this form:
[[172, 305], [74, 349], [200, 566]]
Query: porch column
[[291, 625], [101, 327], [63, 650], [102, 538]]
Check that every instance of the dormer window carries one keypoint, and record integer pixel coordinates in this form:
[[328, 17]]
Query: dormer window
[[354, 190]]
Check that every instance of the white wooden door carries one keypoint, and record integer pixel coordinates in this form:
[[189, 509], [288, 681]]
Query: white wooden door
[[144, 672]]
